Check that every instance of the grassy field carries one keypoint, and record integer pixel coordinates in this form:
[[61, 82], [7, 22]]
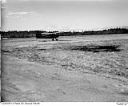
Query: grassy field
[[97, 66]]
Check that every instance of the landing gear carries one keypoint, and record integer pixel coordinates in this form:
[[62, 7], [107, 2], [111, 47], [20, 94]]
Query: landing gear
[[54, 39]]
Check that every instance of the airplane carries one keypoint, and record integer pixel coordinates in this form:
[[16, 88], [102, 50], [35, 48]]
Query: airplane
[[47, 35]]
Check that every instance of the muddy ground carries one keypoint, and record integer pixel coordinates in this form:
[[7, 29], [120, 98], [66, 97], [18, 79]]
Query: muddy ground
[[89, 69]]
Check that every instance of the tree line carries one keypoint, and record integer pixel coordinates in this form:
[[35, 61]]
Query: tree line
[[29, 34]]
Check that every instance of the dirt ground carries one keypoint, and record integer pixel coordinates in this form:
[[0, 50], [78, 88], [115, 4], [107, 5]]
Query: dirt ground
[[81, 69]]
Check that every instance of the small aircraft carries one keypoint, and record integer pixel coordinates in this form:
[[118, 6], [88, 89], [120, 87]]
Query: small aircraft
[[46, 35]]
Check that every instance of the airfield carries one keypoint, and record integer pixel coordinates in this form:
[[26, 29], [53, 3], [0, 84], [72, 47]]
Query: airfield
[[92, 68]]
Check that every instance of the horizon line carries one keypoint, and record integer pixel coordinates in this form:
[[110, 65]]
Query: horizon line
[[125, 27]]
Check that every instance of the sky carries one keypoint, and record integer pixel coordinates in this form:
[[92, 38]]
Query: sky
[[63, 15], [0, 14]]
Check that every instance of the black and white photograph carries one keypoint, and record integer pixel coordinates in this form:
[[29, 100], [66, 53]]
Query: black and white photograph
[[64, 50]]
